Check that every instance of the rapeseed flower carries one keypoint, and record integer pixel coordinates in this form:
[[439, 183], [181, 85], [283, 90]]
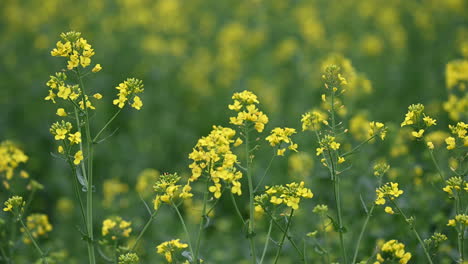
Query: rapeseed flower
[[169, 248], [38, 225], [389, 190], [282, 135], [393, 251], [245, 104]]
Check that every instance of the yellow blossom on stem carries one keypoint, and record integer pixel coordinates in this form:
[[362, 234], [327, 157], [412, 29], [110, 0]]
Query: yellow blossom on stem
[[97, 68], [78, 157], [169, 248], [281, 136], [75, 138], [393, 251], [389, 190], [61, 112], [115, 228], [245, 104]]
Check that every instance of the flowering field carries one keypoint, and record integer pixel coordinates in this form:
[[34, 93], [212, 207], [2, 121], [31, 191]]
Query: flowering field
[[236, 131]]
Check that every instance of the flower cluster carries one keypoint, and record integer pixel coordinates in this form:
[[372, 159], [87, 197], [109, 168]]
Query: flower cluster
[[166, 189], [393, 250], [61, 130], [38, 225], [11, 156], [282, 135], [75, 48], [129, 258], [289, 195], [389, 190], [170, 248], [461, 219], [377, 128], [212, 154], [15, 205], [328, 144], [313, 120], [455, 183], [459, 134], [116, 228], [416, 118], [128, 90], [247, 111], [333, 79], [434, 241], [380, 169]]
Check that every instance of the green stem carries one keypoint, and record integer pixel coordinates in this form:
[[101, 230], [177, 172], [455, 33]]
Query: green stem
[[200, 229], [237, 208], [266, 242], [106, 125], [278, 252], [355, 149], [265, 173], [415, 232], [26, 229], [251, 233], [89, 192], [336, 192], [461, 230], [184, 227], [363, 229], [76, 184], [287, 236], [437, 166], [153, 215]]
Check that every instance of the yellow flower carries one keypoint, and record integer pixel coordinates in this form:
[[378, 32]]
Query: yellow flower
[[14, 204], [78, 157], [282, 136], [341, 160], [334, 145], [377, 128], [450, 143], [120, 101], [60, 149], [247, 111], [137, 103], [429, 121], [389, 210], [60, 133], [319, 151], [61, 112], [451, 222], [169, 248], [97, 96], [289, 195], [430, 145], [38, 225], [64, 92], [75, 138], [392, 251], [389, 190], [127, 89], [313, 120], [116, 228], [97, 68], [418, 134]]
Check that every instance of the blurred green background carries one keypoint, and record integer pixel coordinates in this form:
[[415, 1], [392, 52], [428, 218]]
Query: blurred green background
[[192, 55]]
